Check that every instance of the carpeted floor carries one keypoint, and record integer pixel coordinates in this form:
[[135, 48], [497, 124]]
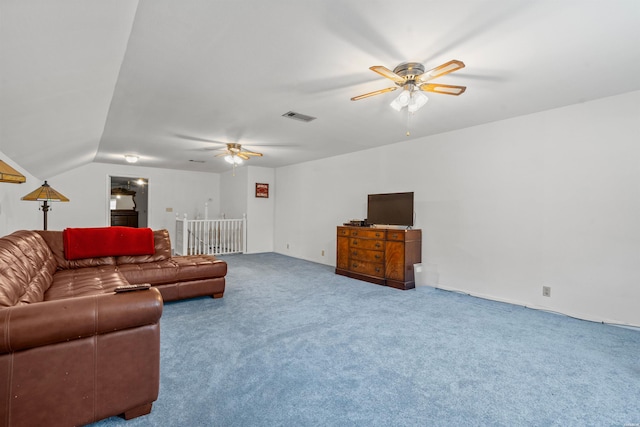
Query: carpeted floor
[[293, 344]]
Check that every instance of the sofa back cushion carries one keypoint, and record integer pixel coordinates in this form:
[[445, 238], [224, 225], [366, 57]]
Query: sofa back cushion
[[27, 266], [54, 241], [107, 241], [162, 250]]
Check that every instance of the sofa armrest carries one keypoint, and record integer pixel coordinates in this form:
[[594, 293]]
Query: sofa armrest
[[50, 322]]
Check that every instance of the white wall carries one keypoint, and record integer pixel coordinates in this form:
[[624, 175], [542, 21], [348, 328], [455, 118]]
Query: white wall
[[16, 214], [88, 189], [551, 199], [238, 198], [260, 211], [233, 196]]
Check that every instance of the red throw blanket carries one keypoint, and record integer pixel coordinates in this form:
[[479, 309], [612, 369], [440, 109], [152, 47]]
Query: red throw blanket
[[107, 241]]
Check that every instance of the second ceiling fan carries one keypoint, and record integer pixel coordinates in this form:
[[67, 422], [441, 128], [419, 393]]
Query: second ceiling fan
[[235, 154], [412, 78]]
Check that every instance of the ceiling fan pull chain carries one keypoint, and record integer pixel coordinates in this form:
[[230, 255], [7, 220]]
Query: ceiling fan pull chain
[[409, 114]]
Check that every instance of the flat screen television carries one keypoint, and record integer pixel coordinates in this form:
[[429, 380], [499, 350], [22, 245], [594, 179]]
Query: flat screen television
[[390, 209]]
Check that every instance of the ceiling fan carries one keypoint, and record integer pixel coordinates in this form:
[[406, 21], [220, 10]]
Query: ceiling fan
[[412, 78], [235, 154]]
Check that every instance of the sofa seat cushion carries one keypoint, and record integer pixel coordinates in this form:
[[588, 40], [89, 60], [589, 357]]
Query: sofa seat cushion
[[177, 269], [84, 281], [154, 273], [194, 267]]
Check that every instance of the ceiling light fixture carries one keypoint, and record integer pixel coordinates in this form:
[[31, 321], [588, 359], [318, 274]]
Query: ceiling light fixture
[[401, 100], [418, 99], [130, 158], [411, 98], [233, 159]]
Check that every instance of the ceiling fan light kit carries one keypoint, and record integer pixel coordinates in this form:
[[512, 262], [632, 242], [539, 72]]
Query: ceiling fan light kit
[[233, 159], [412, 78], [402, 100], [418, 99]]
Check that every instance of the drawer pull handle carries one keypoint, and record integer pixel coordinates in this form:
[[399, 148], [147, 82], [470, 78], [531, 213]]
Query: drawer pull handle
[[354, 265], [377, 256], [355, 242], [377, 234], [355, 233], [395, 236], [377, 269], [377, 245]]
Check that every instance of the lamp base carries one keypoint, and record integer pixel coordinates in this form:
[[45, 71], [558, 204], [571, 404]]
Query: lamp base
[[45, 208]]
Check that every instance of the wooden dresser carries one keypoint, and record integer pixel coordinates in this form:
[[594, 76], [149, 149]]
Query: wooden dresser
[[124, 217], [379, 255]]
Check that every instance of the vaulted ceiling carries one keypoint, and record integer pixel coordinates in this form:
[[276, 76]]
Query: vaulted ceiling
[[92, 80]]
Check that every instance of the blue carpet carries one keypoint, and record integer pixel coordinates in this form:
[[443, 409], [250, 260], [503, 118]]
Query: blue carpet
[[293, 344]]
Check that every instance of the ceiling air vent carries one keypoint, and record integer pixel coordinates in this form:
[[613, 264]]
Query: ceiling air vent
[[297, 116]]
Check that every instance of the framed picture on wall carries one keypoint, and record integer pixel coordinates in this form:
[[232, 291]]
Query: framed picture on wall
[[262, 190]]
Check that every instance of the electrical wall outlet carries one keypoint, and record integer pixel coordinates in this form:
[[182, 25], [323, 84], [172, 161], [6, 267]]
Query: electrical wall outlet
[[322, 253], [546, 291]]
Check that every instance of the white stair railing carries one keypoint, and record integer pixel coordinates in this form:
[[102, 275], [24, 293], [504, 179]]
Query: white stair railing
[[210, 236]]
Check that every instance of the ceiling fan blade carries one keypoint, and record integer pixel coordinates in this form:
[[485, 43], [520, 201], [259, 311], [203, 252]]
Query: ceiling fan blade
[[243, 156], [441, 70], [444, 89], [385, 72], [195, 138], [251, 153], [377, 92], [226, 153]]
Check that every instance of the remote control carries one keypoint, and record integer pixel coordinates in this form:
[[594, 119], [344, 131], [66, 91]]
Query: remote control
[[134, 287]]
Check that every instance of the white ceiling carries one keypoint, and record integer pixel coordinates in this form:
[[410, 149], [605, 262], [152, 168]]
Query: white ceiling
[[91, 80]]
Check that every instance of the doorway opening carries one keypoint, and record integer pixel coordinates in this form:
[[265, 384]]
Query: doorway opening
[[128, 201]]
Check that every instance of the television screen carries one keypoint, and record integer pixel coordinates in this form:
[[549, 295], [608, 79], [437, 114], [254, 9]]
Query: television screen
[[390, 209]]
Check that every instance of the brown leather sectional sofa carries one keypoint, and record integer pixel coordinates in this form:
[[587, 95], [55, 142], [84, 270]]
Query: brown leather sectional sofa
[[176, 277], [72, 351]]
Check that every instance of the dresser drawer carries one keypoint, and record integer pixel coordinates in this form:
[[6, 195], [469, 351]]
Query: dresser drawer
[[376, 245], [369, 268], [343, 231], [366, 255], [399, 235], [367, 233]]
